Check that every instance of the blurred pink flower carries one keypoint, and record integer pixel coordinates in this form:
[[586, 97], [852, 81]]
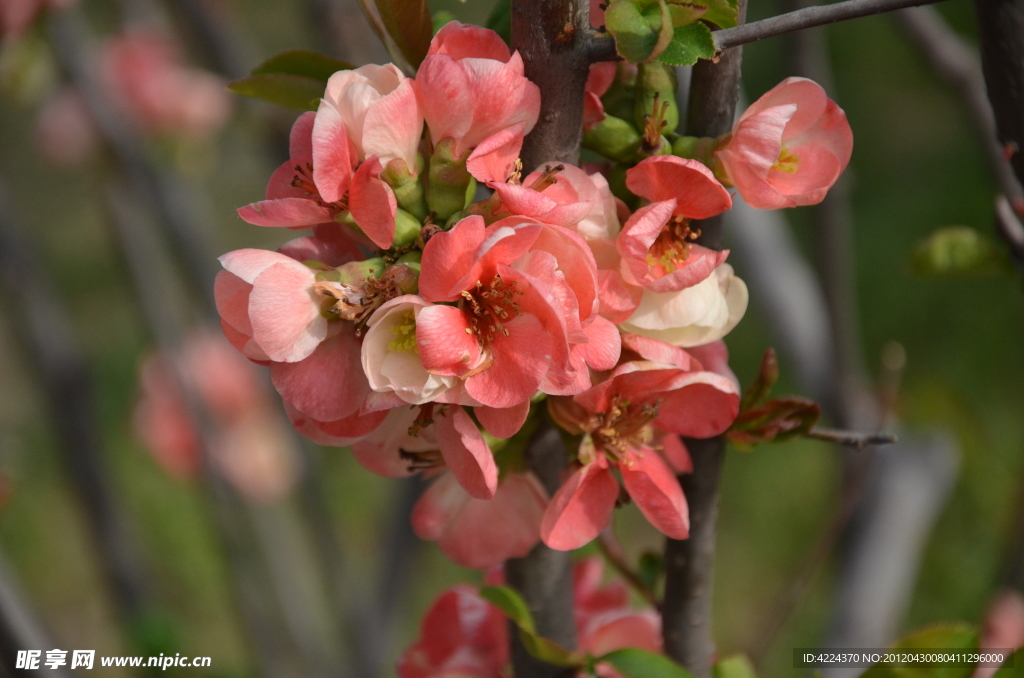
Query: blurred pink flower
[[65, 133]]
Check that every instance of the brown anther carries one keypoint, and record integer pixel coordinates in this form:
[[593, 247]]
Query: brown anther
[[422, 461], [486, 306], [424, 419], [548, 177]]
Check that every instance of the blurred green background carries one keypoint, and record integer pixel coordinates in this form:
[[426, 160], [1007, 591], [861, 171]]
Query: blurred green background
[[916, 166]]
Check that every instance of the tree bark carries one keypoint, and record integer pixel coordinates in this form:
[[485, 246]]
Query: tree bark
[[686, 612], [553, 37], [1001, 33]]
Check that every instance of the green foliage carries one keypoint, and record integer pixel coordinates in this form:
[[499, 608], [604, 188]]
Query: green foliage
[[500, 19], [295, 79], [440, 19], [959, 251], [689, 43], [636, 663], [1017, 668], [641, 31], [945, 636], [650, 569], [514, 607], [722, 13], [409, 24]]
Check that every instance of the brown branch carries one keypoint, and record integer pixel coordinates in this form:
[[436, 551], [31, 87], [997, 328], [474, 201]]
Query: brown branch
[[808, 17], [611, 549], [851, 438], [689, 564]]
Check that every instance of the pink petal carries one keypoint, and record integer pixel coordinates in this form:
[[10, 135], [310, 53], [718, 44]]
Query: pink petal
[[601, 77], [355, 425], [373, 204], [333, 159], [520, 362], [393, 125], [437, 507], [618, 301], [445, 346], [328, 385], [604, 345], [447, 257], [247, 264], [503, 422], [704, 407], [494, 158], [580, 509], [285, 212], [757, 140], [656, 350], [676, 454], [657, 494], [593, 111], [464, 41], [231, 294], [640, 630], [445, 94], [300, 139], [285, 312], [697, 192], [466, 453], [576, 261], [807, 95]]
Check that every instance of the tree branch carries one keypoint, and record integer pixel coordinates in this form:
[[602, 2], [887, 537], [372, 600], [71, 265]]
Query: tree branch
[[851, 438], [807, 17]]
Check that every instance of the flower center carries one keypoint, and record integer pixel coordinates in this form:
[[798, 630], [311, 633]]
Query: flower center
[[303, 180], [624, 426], [406, 333], [654, 123], [672, 247], [489, 306], [787, 162]]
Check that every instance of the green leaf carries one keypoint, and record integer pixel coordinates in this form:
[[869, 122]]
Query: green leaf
[[303, 63], [650, 568], [946, 637], [684, 13], [689, 43], [409, 24], [637, 33], [736, 666], [440, 19], [959, 251], [500, 19], [511, 603], [722, 13], [635, 663], [293, 91]]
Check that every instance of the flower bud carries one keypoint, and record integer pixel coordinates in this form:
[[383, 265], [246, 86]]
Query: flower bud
[[614, 138], [355, 272], [695, 148], [656, 99], [449, 180], [407, 227], [406, 186]]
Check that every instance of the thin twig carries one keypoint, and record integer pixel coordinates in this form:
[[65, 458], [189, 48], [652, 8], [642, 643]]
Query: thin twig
[[806, 18], [851, 438], [612, 551]]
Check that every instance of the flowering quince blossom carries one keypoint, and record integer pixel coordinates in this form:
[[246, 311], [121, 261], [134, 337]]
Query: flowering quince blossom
[[788, 148], [472, 91], [464, 635], [623, 421]]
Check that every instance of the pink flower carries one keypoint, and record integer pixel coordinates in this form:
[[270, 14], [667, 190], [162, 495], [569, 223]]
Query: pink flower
[[461, 635], [788, 148], [470, 89], [65, 133], [599, 80], [295, 199], [248, 446], [621, 420], [525, 292], [482, 534], [143, 71], [1003, 627]]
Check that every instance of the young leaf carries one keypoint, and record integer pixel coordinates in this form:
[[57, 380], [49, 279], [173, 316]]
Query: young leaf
[[650, 569], [548, 650], [685, 12], [722, 13], [409, 24], [945, 637], [303, 63], [959, 251], [689, 43], [757, 393], [511, 603], [777, 421], [635, 663], [641, 32], [285, 89]]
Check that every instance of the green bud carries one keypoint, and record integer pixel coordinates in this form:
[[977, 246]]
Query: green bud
[[407, 227], [354, 272], [695, 148], [406, 186], [664, 147], [614, 138], [449, 181], [656, 82]]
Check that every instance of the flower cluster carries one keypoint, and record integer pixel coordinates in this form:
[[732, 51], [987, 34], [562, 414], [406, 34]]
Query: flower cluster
[[443, 293], [464, 635]]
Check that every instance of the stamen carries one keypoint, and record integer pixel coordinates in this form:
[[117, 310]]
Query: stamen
[[547, 178], [486, 306], [787, 161], [406, 331]]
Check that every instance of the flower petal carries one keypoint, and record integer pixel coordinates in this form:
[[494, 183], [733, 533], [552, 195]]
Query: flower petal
[[503, 422], [466, 453], [373, 204], [580, 509], [657, 493]]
